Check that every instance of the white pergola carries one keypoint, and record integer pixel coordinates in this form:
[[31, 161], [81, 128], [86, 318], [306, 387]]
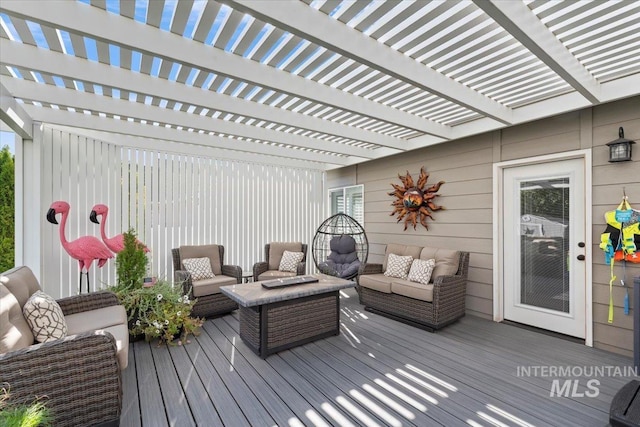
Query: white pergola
[[319, 84]]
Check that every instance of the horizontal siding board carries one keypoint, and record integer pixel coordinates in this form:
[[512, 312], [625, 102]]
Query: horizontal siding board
[[550, 127], [556, 143]]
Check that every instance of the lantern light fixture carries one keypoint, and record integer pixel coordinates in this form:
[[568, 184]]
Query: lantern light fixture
[[620, 149]]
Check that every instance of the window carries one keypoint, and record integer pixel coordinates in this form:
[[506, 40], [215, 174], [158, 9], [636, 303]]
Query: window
[[349, 200]]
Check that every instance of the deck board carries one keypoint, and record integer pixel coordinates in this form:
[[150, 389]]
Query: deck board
[[376, 372]]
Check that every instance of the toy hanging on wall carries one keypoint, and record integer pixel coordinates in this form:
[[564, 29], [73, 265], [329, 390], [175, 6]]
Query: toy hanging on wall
[[620, 242], [413, 202]]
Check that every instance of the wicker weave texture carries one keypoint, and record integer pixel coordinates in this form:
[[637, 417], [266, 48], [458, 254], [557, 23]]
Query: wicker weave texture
[[291, 322], [449, 293], [86, 302], [250, 326], [300, 320], [78, 378]]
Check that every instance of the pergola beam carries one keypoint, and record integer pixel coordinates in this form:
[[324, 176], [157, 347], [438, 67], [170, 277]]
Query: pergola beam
[[13, 115], [102, 26], [178, 141], [516, 18], [310, 24], [57, 64], [85, 101]]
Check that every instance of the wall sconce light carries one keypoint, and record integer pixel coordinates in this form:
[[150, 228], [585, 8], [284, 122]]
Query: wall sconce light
[[620, 149]]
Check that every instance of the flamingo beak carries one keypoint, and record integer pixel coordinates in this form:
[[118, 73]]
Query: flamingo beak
[[51, 216], [93, 217]]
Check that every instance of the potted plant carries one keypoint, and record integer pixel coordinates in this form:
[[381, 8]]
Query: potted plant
[[158, 311], [26, 415]]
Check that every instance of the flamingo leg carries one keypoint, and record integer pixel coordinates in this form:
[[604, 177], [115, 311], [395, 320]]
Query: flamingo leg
[[88, 281], [80, 283]]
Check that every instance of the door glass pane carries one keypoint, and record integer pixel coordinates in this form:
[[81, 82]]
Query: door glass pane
[[544, 243], [355, 205], [336, 199]]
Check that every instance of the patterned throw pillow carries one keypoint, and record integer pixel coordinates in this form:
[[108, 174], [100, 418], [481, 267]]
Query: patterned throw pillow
[[421, 270], [45, 317], [398, 266], [290, 261], [199, 268]]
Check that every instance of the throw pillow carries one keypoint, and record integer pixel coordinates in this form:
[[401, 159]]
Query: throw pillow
[[290, 261], [398, 266], [199, 268], [421, 270], [45, 317]]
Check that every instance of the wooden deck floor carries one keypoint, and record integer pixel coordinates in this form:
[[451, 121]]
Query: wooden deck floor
[[378, 372]]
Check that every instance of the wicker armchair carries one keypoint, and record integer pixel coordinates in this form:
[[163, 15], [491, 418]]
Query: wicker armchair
[[79, 376], [445, 305], [268, 269], [210, 302]]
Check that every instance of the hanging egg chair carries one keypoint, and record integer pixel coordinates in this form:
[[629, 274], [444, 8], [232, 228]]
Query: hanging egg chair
[[340, 246]]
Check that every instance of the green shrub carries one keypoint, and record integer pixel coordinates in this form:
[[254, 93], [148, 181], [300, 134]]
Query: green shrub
[[131, 263], [13, 415]]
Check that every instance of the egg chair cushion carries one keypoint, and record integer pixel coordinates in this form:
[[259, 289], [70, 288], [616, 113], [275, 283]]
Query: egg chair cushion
[[343, 260]]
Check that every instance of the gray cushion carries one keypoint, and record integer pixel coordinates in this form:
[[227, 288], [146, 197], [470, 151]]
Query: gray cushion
[[210, 251], [15, 332], [276, 249], [447, 260]]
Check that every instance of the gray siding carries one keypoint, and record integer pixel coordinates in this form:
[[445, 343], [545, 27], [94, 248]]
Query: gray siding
[[466, 166]]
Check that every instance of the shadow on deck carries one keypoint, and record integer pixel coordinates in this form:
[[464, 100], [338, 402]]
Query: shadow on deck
[[378, 372]]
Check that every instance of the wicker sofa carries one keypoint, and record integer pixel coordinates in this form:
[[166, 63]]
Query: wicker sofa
[[429, 307], [210, 302], [78, 376]]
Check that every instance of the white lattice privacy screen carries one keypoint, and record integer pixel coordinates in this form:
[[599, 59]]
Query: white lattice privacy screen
[[170, 200]]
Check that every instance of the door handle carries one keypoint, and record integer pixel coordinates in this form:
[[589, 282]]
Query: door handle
[[581, 257], [581, 245]]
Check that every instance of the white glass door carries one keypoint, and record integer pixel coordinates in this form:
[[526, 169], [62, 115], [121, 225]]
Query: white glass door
[[544, 234]]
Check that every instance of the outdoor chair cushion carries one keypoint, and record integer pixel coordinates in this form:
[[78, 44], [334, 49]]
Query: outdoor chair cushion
[[45, 317], [377, 282], [112, 319], [447, 260], [343, 260], [210, 251], [421, 270], [15, 332], [403, 250], [199, 268], [276, 250], [211, 286], [398, 266], [289, 261], [413, 290]]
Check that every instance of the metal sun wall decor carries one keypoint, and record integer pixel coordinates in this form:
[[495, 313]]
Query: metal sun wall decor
[[413, 202]]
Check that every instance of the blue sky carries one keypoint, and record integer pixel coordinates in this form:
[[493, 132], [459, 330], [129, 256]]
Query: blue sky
[[7, 138]]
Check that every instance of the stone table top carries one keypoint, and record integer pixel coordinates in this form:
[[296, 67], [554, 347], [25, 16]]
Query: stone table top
[[253, 294]]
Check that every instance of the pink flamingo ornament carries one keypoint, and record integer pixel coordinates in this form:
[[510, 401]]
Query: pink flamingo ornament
[[85, 249], [115, 243]]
